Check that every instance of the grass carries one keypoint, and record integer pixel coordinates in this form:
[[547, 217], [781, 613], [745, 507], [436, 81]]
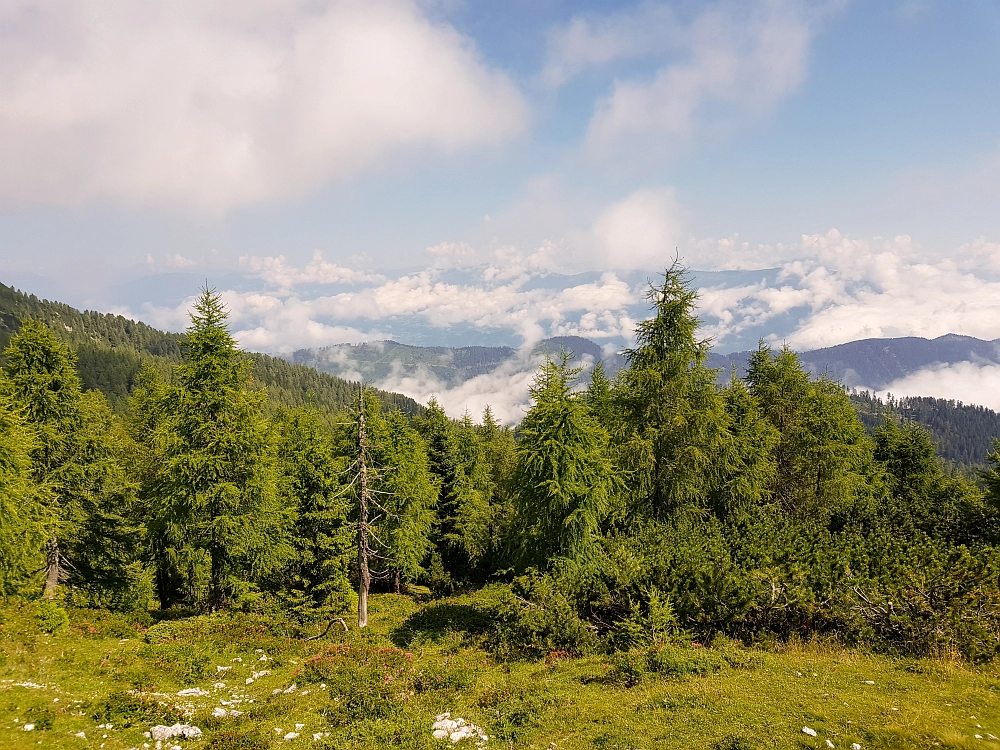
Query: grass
[[384, 686]]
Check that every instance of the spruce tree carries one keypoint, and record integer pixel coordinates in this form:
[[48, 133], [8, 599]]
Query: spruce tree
[[22, 508], [44, 384], [219, 489], [316, 581]]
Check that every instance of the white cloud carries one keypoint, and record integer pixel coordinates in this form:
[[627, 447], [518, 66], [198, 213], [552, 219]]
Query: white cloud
[[964, 381], [213, 105], [642, 231], [731, 61], [277, 273]]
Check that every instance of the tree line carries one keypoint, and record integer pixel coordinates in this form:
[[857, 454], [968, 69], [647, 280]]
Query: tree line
[[618, 512]]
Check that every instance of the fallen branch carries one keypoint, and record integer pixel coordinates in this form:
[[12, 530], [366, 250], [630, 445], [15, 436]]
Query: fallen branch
[[328, 626]]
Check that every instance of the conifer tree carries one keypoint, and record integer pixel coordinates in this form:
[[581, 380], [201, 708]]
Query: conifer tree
[[22, 510], [563, 472], [317, 580], [670, 399], [404, 494], [219, 489], [43, 382]]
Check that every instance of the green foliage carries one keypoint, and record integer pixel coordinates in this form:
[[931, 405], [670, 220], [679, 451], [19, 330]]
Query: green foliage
[[127, 709], [563, 472], [50, 616], [315, 583], [218, 491], [22, 507], [676, 420]]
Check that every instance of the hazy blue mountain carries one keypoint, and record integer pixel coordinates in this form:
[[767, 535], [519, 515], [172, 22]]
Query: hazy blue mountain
[[876, 363]]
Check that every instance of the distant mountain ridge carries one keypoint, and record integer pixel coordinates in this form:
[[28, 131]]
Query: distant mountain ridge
[[877, 363]]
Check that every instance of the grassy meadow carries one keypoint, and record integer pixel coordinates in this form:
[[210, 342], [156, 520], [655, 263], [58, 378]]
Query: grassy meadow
[[384, 686]]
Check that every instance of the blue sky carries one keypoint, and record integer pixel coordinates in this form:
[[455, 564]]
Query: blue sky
[[443, 171]]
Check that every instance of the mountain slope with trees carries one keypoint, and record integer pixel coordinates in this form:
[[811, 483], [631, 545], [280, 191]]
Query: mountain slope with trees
[[111, 351]]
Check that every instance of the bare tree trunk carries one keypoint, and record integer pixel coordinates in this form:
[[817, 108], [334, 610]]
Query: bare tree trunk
[[399, 583], [52, 571], [364, 575]]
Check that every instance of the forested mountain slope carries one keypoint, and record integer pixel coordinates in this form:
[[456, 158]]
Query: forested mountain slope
[[112, 349]]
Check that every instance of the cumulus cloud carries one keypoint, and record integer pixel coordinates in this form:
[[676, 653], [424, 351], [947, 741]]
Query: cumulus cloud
[[213, 105], [968, 382], [277, 273], [739, 59], [495, 297], [642, 231]]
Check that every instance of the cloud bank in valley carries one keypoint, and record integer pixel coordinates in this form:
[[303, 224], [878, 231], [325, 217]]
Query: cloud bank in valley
[[824, 290]]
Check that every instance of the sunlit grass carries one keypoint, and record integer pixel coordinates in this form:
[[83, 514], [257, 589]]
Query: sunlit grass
[[764, 701]]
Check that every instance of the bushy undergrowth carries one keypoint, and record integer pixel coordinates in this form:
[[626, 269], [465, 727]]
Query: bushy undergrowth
[[134, 709]]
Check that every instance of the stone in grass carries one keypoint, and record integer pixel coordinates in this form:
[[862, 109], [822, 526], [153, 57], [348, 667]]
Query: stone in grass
[[28, 728], [829, 743], [291, 736], [810, 732], [188, 732], [855, 746]]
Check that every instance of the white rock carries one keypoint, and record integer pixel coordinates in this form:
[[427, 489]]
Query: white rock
[[219, 713], [869, 682], [263, 657], [219, 686], [299, 727], [317, 737], [291, 736], [830, 744], [290, 689], [222, 669], [28, 728], [237, 659], [278, 730], [276, 691], [188, 732], [855, 746], [194, 692], [147, 735], [810, 732], [261, 673], [439, 734], [81, 735]]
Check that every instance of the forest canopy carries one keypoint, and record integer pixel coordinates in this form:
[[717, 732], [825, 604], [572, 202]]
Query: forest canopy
[[622, 512]]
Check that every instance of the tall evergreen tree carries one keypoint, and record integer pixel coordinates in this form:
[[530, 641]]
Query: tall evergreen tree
[[22, 508], [43, 382], [669, 396], [218, 491], [404, 494], [316, 581], [563, 472]]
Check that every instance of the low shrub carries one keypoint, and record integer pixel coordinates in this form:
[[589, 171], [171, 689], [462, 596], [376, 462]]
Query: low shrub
[[237, 739], [128, 709], [103, 623], [49, 616]]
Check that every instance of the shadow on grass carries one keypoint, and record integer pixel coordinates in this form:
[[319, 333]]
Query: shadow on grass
[[441, 621]]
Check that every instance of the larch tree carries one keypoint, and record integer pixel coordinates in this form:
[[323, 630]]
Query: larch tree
[[563, 472], [669, 398]]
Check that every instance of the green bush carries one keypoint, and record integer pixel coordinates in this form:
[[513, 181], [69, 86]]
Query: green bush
[[50, 616], [532, 618], [364, 682], [629, 668]]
